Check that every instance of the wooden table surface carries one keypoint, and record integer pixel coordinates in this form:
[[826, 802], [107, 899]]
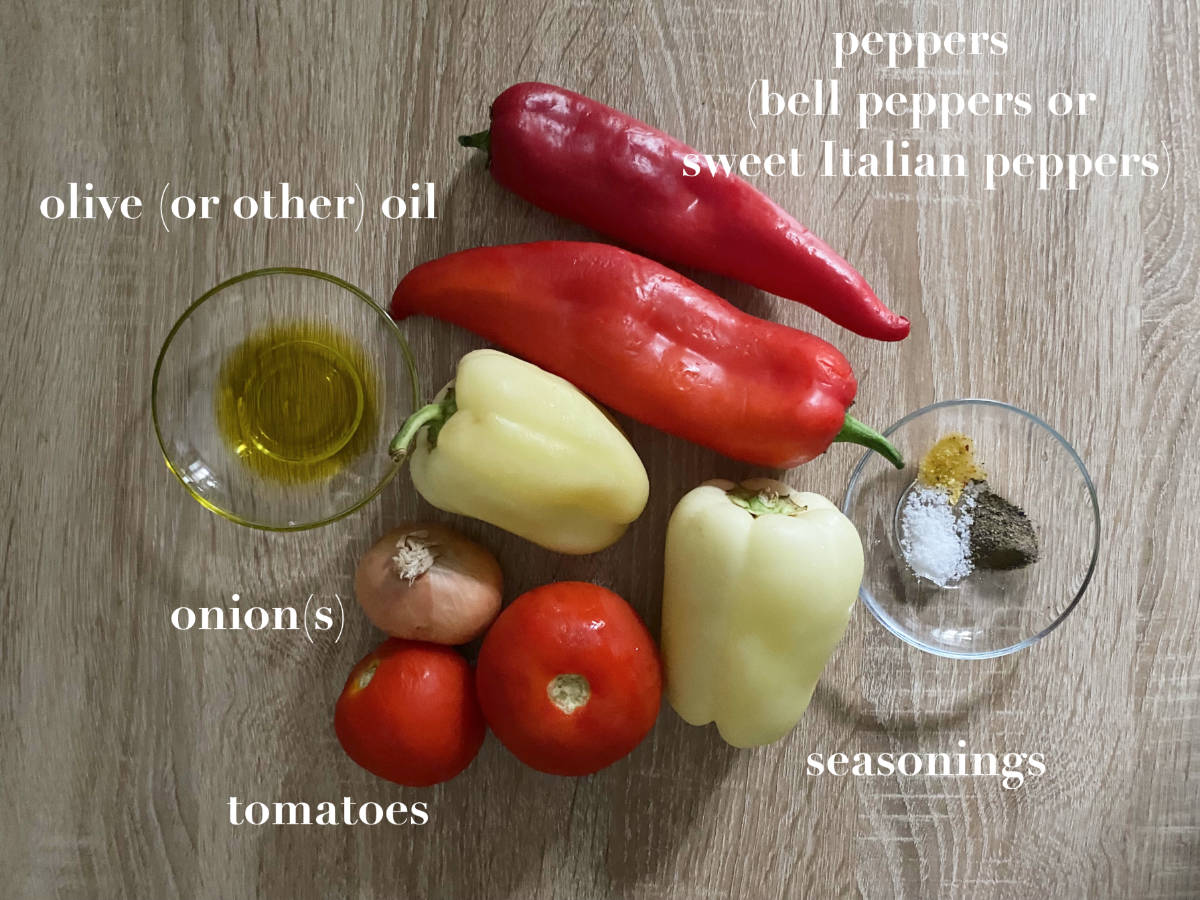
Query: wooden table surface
[[121, 739]]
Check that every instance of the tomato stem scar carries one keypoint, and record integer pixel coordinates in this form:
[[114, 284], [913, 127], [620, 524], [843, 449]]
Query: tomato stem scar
[[569, 692]]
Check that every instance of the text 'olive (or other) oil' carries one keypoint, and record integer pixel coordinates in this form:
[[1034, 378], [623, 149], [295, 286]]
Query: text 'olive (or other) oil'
[[296, 401]]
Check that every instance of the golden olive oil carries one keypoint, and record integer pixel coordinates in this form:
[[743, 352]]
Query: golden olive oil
[[296, 401]]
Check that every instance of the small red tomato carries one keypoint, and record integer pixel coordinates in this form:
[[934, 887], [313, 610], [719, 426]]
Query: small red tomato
[[408, 713], [569, 678]]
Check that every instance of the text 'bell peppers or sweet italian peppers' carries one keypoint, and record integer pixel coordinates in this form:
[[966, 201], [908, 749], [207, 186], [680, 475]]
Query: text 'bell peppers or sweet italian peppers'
[[586, 161], [526, 451], [648, 342], [760, 582]]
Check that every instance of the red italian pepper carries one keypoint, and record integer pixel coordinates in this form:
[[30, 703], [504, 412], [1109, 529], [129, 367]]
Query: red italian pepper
[[652, 344], [589, 162]]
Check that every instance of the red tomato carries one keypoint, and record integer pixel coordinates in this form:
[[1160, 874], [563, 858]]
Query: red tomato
[[408, 713], [569, 678]]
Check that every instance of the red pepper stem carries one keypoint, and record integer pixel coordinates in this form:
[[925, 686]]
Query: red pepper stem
[[855, 432], [480, 140]]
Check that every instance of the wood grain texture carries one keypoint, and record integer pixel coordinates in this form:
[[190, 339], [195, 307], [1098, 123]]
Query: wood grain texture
[[122, 739]]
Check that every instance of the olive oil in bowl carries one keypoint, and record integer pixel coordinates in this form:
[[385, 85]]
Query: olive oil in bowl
[[296, 401]]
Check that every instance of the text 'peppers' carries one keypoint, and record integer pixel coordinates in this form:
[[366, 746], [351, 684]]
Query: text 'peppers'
[[519, 448], [759, 586]]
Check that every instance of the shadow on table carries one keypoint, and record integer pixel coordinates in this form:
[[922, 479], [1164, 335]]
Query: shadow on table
[[923, 692], [658, 800]]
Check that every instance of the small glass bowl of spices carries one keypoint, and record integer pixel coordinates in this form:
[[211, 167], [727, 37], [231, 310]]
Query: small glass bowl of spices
[[988, 542]]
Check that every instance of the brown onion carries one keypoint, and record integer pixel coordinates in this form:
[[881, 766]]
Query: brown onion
[[426, 582]]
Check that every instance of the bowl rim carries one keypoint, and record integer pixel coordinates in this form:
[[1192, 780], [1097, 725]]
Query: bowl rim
[[212, 292], [893, 626]]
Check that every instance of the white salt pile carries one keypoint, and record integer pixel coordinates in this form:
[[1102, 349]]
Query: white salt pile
[[936, 536]]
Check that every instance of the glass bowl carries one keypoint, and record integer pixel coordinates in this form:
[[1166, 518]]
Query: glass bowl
[[990, 612], [284, 351]]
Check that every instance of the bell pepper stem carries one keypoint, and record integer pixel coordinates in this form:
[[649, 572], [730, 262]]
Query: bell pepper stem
[[855, 432], [480, 140], [432, 415]]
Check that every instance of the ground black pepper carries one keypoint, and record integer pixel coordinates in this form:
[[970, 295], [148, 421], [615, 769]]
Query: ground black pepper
[[1002, 537]]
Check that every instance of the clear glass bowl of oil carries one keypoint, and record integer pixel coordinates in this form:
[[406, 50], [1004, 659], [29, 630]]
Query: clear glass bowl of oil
[[275, 397]]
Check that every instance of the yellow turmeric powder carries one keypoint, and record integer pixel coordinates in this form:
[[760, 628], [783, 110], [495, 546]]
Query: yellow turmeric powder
[[950, 465]]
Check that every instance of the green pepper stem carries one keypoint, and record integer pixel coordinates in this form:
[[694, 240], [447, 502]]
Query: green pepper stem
[[764, 503], [855, 432], [480, 140], [433, 415]]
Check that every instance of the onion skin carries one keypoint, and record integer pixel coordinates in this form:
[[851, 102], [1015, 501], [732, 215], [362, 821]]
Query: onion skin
[[427, 582]]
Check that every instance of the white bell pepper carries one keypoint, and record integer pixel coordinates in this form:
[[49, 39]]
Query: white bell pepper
[[760, 583], [520, 448]]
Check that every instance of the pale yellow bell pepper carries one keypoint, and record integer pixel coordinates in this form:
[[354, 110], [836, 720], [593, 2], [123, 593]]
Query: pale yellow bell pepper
[[760, 583], [522, 449]]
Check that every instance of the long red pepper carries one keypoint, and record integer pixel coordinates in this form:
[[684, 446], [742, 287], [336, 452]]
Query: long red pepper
[[652, 344], [586, 161]]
